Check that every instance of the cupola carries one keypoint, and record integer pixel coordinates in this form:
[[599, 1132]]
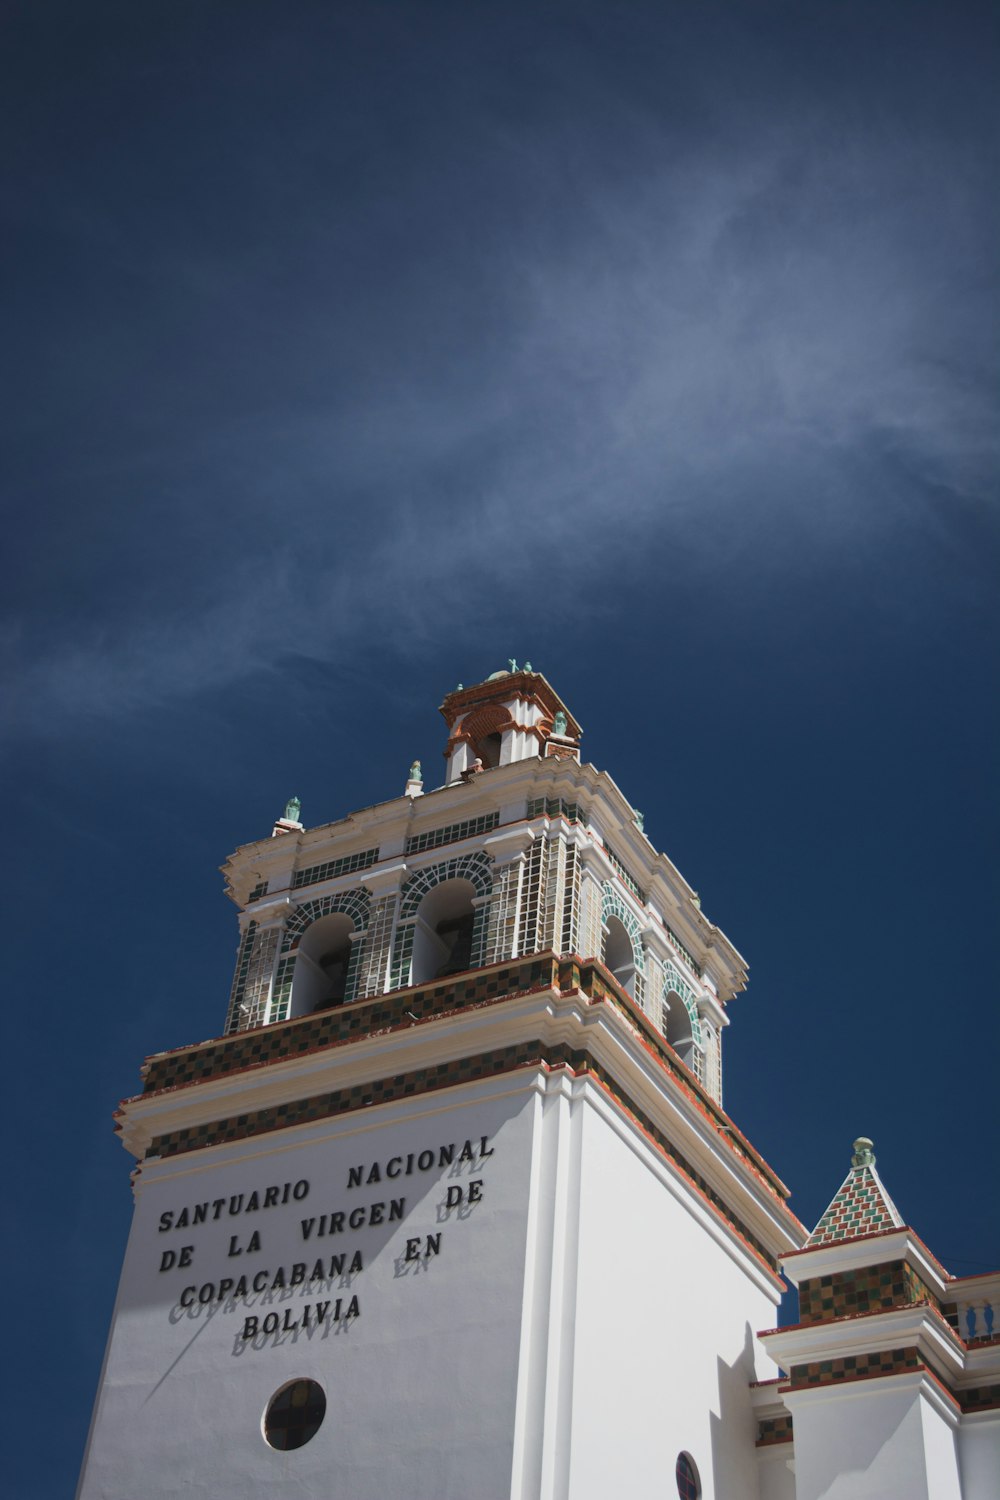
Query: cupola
[[514, 715]]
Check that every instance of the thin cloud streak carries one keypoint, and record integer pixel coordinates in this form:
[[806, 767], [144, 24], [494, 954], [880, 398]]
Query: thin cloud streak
[[708, 326]]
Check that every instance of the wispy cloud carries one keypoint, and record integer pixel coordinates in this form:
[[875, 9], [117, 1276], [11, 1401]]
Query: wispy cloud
[[724, 326]]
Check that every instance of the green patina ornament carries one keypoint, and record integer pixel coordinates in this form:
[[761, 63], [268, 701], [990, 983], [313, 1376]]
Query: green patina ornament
[[292, 809], [863, 1156], [512, 664], [559, 723], [640, 819], [527, 666], [415, 772]]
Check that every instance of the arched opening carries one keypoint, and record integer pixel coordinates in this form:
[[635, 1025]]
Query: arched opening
[[619, 955], [675, 1023], [442, 941], [321, 964], [488, 749]]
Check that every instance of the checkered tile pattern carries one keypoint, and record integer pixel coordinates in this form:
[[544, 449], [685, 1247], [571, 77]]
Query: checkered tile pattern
[[861, 1206], [981, 1398], [856, 1367], [250, 1049], [774, 1430], [871, 1289]]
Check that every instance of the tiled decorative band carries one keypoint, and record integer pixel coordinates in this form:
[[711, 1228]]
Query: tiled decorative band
[[773, 1430], [982, 1398], [346, 1023], [446, 1075], [187, 1066], [856, 1367], [870, 1289]]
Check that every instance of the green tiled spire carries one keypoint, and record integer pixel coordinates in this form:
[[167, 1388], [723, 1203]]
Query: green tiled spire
[[861, 1206]]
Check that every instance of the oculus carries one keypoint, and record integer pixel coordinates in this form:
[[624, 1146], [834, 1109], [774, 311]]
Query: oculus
[[294, 1414]]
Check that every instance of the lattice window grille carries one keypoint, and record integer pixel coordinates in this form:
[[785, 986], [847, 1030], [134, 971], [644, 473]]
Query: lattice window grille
[[243, 954], [346, 865], [712, 1062], [532, 896], [685, 955], [434, 838], [354, 904], [654, 984], [624, 876], [571, 901], [255, 996], [555, 807], [378, 947], [503, 913], [281, 995], [478, 868], [590, 918], [554, 884]]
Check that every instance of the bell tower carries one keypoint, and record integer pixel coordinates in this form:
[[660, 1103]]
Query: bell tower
[[451, 1207]]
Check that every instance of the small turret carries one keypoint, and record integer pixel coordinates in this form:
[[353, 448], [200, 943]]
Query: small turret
[[514, 715]]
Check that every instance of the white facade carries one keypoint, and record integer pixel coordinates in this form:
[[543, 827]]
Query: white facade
[[460, 1161]]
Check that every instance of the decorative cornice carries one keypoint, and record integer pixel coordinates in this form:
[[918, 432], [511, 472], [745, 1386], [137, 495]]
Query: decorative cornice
[[564, 1012]]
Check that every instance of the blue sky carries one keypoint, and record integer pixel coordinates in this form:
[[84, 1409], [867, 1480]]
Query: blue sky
[[351, 349]]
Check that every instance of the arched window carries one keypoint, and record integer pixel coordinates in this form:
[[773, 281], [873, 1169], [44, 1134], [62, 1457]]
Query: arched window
[[442, 940], [321, 964], [675, 1023], [488, 749], [619, 955]]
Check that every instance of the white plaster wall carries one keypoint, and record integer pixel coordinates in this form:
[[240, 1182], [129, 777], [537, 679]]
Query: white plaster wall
[[420, 1387], [663, 1329], [867, 1441], [776, 1472], [979, 1450], [941, 1453]]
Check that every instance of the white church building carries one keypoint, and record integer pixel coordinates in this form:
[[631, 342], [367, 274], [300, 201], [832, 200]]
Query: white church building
[[452, 1209]]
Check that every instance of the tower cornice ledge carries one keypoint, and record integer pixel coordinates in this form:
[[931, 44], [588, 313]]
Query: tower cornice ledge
[[564, 1015]]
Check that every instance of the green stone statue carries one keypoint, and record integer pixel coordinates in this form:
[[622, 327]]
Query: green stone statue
[[415, 772], [559, 723], [292, 809]]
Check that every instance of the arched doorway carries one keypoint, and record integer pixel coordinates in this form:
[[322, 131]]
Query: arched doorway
[[619, 955], [443, 931], [321, 966]]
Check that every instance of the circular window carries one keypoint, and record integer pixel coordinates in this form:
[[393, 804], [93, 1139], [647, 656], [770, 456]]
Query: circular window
[[295, 1414], [687, 1478]]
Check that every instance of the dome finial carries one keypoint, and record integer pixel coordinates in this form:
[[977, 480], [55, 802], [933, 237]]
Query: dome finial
[[863, 1156]]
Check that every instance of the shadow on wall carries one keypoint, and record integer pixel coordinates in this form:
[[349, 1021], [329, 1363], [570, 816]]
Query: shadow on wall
[[733, 1429]]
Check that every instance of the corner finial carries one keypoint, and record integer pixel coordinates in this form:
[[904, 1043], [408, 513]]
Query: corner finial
[[289, 820], [512, 664], [415, 781], [863, 1156]]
